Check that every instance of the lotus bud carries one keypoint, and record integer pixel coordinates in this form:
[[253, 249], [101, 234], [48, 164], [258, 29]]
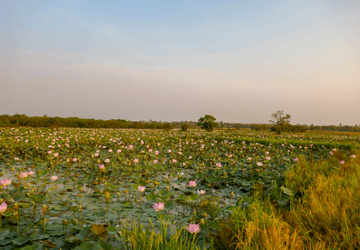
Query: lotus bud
[[65, 222]]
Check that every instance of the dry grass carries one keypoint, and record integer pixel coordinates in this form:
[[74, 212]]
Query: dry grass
[[324, 215]]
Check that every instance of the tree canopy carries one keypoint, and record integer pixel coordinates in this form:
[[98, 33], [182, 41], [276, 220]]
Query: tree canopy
[[280, 121], [208, 123]]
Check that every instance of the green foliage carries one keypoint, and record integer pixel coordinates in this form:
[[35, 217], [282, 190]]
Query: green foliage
[[185, 127], [208, 123], [138, 237], [280, 121]]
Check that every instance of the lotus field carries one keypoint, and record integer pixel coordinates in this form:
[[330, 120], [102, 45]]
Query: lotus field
[[96, 188]]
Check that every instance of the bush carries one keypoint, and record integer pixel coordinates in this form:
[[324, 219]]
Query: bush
[[185, 127]]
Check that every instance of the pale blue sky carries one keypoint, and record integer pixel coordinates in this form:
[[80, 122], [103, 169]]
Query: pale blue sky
[[239, 61]]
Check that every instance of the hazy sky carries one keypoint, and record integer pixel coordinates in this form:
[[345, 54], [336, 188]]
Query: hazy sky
[[239, 61]]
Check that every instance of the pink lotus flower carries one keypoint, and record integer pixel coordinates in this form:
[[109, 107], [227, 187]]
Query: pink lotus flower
[[16, 158], [190, 157], [118, 151], [31, 172], [267, 153], [141, 188], [259, 164], [249, 158], [169, 150], [201, 192], [296, 159], [218, 164], [56, 154], [107, 160], [110, 150], [155, 161], [331, 153], [3, 207], [158, 206], [174, 160], [193, 228], [74, 160], [49, 152], [101, 166], [5, 182], [192, 184], [267, 158], [136, 160], [353, 156], [23, 175], [156, 152], [54, 177], [342, 162]]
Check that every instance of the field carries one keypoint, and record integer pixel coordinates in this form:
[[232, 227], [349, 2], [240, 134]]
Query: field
[[129, 189]]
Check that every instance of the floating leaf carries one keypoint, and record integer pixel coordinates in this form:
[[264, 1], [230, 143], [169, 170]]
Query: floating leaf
[[88, 245], [164, 194], [99, 230], [287, 191], [111, 230], [192, 198], [21, 240], [169, 205], [4, 232], [151, 197]]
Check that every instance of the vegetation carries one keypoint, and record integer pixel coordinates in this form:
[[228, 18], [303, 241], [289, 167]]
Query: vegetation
[[208, 123], [324, 211], [128, 189], [75, 122], [185, 127], [280, 121]]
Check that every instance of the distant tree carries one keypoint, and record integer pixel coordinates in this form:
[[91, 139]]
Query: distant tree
[[280, 121], [221, 123], [208, 123], [185, 127], [312, 127]]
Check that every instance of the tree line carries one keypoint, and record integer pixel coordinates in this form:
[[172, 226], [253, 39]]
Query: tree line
[[53, 122]]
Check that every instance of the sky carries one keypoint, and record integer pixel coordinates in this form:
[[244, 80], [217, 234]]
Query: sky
[[239, 61]]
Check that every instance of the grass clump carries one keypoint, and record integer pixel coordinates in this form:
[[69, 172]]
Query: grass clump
[[324, 212], [138, 237]]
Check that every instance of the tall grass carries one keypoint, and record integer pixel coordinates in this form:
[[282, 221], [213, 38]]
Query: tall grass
[[137, 237], [323, 214]]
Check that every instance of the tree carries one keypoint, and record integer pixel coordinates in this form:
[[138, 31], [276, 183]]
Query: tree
[[208, 123], [312, 127], [280, 120], [185, 127], [221, 123]]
